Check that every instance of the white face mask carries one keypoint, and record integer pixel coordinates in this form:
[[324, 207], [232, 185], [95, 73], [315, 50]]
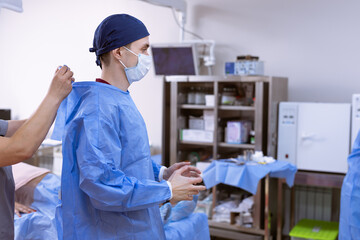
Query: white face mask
[[137, 72]]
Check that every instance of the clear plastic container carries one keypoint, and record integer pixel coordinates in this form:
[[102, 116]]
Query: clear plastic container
[[200, 96], [191, 96], [228, 96]]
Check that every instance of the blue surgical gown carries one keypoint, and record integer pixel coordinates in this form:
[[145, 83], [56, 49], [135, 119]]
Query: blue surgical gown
[[110, 187], [349, 227]]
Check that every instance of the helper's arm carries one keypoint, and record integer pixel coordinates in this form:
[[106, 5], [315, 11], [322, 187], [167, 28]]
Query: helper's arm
[[26, 140], [13, 126]]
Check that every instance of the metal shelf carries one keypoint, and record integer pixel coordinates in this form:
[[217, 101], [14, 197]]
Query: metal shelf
[[193, 106], [210, 144], [234, 227], [237, 108], [206, 78], [243, 146], [268, 92]]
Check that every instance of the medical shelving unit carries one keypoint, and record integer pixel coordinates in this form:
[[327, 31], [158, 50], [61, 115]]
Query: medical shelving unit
[[268, 92]]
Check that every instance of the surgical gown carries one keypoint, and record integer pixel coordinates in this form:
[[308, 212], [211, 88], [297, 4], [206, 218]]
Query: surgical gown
[[349, 227], [110, 187]]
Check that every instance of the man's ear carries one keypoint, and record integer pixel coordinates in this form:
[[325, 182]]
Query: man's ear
[[117, 53]]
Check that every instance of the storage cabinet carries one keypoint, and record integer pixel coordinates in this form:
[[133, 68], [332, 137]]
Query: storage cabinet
[[185, 98]]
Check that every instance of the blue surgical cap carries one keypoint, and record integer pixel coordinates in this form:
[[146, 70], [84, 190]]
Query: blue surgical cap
[[116, 31]]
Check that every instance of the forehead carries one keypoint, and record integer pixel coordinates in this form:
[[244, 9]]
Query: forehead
[[141, 42]]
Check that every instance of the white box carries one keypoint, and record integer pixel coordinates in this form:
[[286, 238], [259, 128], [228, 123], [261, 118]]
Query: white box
[[237, 132], [248, 67], [210, 100], [196, 135], [209, 120]]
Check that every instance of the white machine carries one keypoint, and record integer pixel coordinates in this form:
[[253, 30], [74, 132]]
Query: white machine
[[314, 136], [355, 118]]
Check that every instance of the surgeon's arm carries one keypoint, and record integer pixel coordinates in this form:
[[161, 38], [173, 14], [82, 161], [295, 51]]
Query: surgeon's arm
[[26, 140], [107, 186], [158, 171]]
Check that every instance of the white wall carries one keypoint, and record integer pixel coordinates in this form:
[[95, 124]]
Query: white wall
[[314, 43]]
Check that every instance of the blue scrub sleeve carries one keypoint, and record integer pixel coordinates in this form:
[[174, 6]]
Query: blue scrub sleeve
[[99, 153], [3, 127], [156, 168]]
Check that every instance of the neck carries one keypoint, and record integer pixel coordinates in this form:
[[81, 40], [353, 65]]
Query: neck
[[115, 75]]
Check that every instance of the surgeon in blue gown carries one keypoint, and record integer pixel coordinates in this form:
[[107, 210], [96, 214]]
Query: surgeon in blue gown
[[111, 188], [349, 227]]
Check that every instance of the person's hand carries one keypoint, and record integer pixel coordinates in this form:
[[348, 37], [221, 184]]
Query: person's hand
[[191, 171], [183, 188], [61, 86], [19, 208]]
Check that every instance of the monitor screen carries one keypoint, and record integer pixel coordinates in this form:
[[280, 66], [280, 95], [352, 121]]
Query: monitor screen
[[174, 60], [5, 114]]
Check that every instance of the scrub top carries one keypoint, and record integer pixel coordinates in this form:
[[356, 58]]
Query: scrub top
[[7, 195]]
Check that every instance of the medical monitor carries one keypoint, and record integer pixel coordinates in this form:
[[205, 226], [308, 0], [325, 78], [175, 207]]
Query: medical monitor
[[5, 114], [174, 59]]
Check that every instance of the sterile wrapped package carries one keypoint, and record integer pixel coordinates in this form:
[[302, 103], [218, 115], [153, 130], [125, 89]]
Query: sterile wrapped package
[[246, 205], [222, 211]]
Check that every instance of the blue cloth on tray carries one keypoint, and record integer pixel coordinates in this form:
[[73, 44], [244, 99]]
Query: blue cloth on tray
[[247, 176]]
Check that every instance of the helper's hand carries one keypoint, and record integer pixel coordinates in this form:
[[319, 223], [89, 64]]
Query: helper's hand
[[19, 208], [61, 84], [191, 171], [183, 188]]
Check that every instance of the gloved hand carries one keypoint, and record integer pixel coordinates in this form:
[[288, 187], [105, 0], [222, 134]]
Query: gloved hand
[[190, 172], [183, 188]]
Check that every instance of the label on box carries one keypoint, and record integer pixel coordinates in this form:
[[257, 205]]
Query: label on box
[[196, 135], [237, 132]]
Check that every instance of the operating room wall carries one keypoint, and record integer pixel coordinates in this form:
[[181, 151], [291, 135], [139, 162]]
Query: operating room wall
[[313, 43], [52, 33]]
